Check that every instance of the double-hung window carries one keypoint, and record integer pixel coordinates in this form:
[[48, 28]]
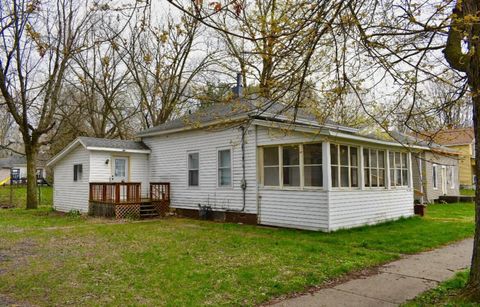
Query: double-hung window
[[344, 160], [77, 172], [452, 177], [224, 168], [434, 176], [193, 169], [398, 169], [374, 167]]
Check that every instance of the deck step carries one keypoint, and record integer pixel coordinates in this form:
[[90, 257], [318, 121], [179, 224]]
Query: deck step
[[148, 214], [147, 210]]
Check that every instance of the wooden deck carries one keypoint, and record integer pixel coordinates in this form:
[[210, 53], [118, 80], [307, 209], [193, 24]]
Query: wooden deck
[[123, 200]]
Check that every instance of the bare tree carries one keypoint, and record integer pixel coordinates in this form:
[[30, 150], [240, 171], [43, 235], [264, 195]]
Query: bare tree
[[164, 61], [98, 89], [38, 40]]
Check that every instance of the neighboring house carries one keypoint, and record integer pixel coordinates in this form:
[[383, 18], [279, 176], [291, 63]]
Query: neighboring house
[[14, 170], [439, 175], [461, 140], [88, 160], [252, 166], [435, 169]]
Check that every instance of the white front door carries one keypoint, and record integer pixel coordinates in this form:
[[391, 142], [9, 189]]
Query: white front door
[[444, 180], [120, 169]]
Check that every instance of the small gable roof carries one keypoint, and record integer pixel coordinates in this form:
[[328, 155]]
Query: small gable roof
[[91, 142], [99, 144]]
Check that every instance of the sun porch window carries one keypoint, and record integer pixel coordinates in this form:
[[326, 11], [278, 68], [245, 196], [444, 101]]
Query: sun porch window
[[296, 165]]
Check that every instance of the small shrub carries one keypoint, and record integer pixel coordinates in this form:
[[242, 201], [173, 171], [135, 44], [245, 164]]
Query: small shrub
[[74, 213]]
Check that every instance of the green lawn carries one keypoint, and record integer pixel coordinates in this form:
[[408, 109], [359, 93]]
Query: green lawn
[[468, 192], [49, 259], [446, 294], [19, 196]]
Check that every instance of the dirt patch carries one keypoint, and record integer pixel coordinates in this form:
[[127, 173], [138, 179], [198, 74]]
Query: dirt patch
[[16, 255], [6, 301]]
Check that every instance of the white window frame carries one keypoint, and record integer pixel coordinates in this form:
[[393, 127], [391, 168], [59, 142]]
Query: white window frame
[[299, 165], [435, 176], [377, 168], [77, 175], [303, 164], [452, 177], [401, 168], [281, 166], [188, 169], [339, 166], [218, 167]]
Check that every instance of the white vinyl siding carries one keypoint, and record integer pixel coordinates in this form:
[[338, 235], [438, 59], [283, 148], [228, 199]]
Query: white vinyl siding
[[68, 194], [352, 208], [168, 163], [137, 171], [294, 208]]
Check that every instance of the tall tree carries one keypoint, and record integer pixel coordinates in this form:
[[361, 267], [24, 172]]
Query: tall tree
[[38, 39], [464, 32]]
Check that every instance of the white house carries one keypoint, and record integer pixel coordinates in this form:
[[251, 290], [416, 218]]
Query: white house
[[88, 160], [13, 169], [253, 165]]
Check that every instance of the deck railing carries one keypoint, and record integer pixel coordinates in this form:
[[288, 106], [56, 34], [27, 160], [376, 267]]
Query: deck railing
[[115, 192], [123, 199], [160, 196], [160, 191]]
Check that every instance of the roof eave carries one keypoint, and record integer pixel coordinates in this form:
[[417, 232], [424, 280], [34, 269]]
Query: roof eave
[[95, 148], [192, 127], [64, 152]]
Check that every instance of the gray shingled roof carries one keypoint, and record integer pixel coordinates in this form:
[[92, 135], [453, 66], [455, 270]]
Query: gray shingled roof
[[110, 143], [227, 111], [13, 160]]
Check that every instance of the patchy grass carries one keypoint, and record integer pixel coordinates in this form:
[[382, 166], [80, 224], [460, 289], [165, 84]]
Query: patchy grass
[[446, 294], [468, 192], [19, 196], [85, 261]]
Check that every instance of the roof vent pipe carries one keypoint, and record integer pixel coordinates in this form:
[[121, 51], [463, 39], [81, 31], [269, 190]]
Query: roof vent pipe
[[238, 89]]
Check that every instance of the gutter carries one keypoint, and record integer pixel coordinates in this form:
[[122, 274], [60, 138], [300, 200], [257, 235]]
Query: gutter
[[144, 151]]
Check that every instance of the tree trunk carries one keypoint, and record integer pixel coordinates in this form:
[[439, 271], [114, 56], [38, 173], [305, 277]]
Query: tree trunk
[[32, 195], [473, 287]]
